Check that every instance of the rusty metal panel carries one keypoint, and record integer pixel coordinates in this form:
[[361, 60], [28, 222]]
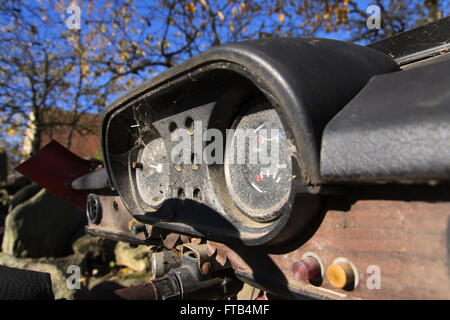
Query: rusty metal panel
[[407, 240]]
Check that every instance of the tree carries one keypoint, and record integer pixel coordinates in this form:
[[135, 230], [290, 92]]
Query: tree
[[349, 16], [46, 66], [41, 70]]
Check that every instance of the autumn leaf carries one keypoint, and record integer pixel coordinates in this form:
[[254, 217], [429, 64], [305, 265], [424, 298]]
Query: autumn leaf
[[11, 132], [231, 26], [124, 55], [280, 17], [190, 7], [220, 15], [234, 11], [243, 7], [85, 68], [120, 69]]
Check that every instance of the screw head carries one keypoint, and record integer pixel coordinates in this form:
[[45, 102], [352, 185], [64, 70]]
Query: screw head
[[138, 228], [137, 165]]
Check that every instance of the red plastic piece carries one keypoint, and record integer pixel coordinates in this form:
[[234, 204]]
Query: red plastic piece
[[54, 167], [306, 269]]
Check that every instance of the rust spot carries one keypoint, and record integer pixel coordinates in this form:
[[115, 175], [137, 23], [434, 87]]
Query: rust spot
[[206, 267]]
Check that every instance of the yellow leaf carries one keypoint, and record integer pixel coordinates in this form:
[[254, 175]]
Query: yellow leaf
[[11, 132], [231, 27], [220, 15], [203, 3], [123, 55], [243, 7], [85, 68], [190, 7], [234, 11], [280, 17]]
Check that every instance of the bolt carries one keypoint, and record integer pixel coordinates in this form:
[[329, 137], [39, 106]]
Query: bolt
[[137, 165], [138, 228]]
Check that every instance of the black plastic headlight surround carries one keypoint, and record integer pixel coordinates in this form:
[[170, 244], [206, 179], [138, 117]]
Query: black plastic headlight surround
[[306, 81]]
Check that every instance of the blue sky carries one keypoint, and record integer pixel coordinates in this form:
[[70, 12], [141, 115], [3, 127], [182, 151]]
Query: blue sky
[[50, 31]]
